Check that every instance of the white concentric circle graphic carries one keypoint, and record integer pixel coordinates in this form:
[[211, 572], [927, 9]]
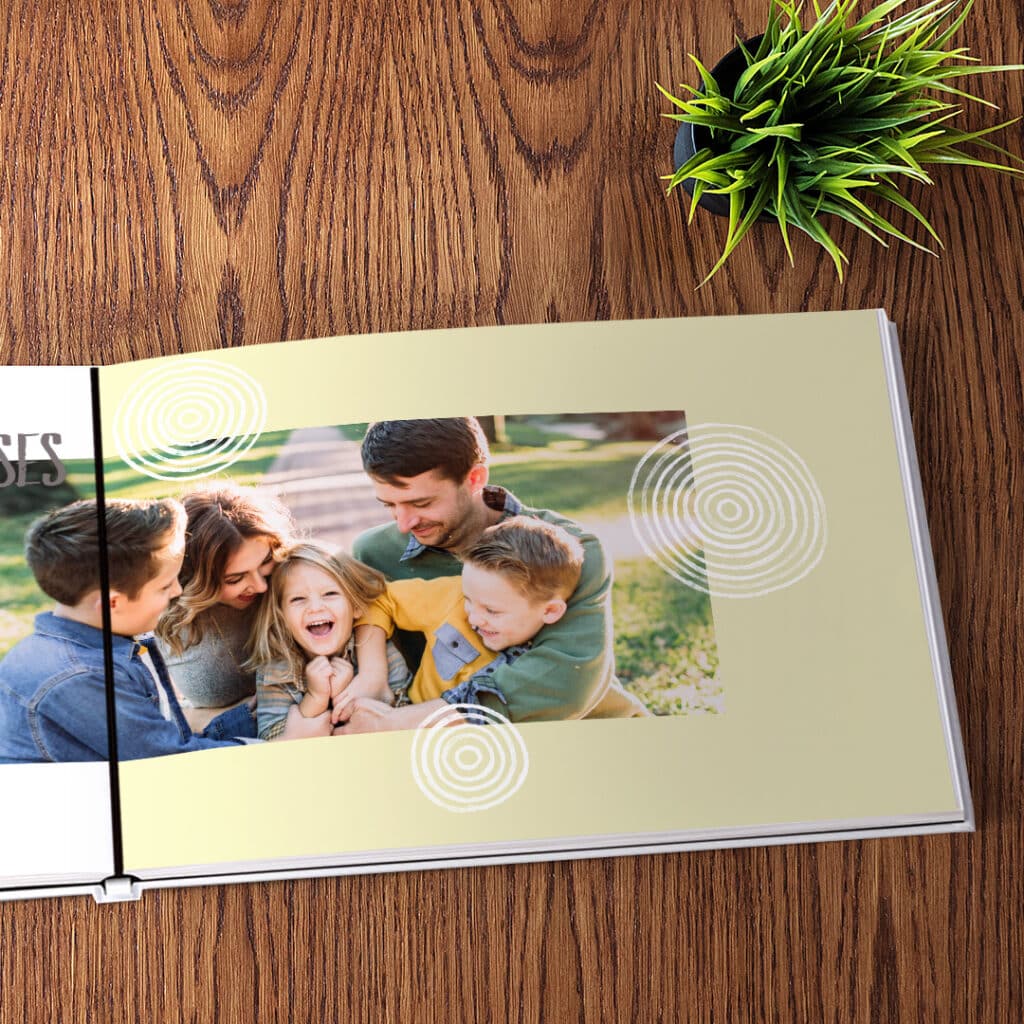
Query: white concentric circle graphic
[[728, 510], [477, 763], [188, 419]]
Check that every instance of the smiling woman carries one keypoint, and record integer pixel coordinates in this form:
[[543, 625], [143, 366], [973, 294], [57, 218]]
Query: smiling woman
[[233, 541], [245, 573]]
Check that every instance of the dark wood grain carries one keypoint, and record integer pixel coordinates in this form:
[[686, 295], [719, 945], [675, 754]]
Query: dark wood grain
[[177, 176]]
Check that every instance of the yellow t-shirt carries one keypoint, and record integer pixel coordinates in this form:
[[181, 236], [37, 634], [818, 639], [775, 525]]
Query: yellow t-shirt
[[454, 651]]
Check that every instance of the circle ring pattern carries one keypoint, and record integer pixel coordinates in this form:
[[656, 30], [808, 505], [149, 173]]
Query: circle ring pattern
[[189, 419], [728, 510], [467, 758]]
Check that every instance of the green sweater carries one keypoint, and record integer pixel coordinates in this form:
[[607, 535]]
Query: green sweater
[[569, 672]]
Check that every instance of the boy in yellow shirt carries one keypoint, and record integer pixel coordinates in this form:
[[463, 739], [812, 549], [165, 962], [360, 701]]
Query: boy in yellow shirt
[[516, 579]]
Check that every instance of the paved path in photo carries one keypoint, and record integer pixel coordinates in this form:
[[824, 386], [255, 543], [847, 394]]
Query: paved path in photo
[[319, 476]]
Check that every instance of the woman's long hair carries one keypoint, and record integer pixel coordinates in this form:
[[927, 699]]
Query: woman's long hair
[[219, 521], [271, 641]]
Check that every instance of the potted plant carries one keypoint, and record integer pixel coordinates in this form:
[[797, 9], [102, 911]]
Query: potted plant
[[829, 118]]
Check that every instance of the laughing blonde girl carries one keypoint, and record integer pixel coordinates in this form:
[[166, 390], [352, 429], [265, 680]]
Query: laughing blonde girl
[[302, 643]]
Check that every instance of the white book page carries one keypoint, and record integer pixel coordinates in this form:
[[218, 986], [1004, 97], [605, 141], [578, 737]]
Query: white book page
[[56, 823], [56, 816]]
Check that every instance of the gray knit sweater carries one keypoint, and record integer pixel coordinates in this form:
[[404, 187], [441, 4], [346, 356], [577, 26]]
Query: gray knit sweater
[[208, 674]]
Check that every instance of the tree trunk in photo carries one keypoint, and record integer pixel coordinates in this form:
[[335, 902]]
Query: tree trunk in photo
[[494, 429]]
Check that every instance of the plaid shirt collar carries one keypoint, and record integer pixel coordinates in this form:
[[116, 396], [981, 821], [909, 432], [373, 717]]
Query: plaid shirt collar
[[496, 498]]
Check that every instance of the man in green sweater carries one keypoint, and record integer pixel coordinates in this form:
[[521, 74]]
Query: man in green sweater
[[431, 475]]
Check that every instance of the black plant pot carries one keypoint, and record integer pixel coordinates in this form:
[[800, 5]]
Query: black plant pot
[[691, 138]]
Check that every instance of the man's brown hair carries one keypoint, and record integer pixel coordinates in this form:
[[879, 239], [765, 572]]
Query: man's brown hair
[[63, 549], [396, 449], [540, 559]]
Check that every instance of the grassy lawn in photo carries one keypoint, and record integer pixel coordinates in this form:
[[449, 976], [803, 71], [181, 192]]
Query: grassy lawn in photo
[[579, 479], [533, 433], [665, 650]]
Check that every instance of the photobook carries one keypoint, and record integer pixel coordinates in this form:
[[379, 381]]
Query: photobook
[[466, 596]]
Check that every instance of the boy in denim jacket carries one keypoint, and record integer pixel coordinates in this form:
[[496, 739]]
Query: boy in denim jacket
[[53, 690]]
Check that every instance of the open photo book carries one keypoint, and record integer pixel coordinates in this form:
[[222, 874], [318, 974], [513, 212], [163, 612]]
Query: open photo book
[[466, 596]]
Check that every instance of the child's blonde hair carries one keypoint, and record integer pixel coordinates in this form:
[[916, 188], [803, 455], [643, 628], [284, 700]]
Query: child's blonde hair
[[271, 640], [541, 560]]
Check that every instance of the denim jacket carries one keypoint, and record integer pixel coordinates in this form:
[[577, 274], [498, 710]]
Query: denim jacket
[[53, 700]]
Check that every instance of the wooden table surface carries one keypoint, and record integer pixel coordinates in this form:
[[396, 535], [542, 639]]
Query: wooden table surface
[[177, 176]]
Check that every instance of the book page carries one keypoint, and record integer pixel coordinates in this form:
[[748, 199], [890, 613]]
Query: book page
[[745, 653], [54, 775]]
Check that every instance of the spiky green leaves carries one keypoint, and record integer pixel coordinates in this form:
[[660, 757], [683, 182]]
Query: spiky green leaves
[[831, 118]]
